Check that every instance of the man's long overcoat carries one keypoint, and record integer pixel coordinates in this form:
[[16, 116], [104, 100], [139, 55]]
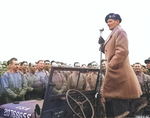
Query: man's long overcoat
[[120, 80]]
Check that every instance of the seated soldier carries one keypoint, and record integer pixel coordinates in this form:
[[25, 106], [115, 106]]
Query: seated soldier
[[59, 81], [73, 78], [13, 85], [35, 87]]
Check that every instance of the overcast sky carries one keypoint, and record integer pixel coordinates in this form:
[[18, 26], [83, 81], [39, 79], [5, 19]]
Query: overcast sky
[[68, 30]]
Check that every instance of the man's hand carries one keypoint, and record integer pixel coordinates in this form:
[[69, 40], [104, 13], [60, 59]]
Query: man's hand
[[101, 40], [37, 90], [55, 91], [19, 97]]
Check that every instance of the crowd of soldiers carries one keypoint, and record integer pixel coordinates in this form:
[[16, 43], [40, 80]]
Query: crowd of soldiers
[[26, 81]]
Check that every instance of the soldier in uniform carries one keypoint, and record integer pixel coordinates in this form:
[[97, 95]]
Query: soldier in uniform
[[35, 88], [4, 69], [41, 72], [1, 70], [147, 62], [13, 85], [120, 85], [143, 79], [47, 65], [60, 82], [64, 73], [144, 69], [73, 78], [89, 65], [24, 67], [5, 63], [83, 66], [2, 98], [92, 77], [103, 62]]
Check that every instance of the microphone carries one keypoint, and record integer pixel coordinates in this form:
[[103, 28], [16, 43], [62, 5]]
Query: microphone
[[101, 29]]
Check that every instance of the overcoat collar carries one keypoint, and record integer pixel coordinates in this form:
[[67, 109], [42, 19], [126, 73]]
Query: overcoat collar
[[109, 37]]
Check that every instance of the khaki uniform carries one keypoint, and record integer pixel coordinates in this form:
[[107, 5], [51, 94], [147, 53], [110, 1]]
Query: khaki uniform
[[66, 74], [60, 83], [72, 81], [91, 80]]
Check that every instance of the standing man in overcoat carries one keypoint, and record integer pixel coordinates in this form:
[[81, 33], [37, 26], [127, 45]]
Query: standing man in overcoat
[[120, 84]]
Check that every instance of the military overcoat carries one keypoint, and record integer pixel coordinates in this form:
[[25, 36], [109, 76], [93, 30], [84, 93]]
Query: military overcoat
[[120, 80]]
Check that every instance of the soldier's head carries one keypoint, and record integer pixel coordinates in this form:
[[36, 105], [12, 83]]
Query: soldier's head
[[83, 66], [77, 65], [24, 65], [113, 20], [54, 64], [8, 64], [5, 63], [59, 64], [47, 65], [32, 67], [137, 68], [144, 69], [40, 64], [63, 64], [94, 64], [52, 61], [89, 65], [69, 65], [13, 62], [147, 61], [103, 62], [132, 66]]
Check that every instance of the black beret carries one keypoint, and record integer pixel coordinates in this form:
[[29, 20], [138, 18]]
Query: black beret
[[147, 60], [113, 16]]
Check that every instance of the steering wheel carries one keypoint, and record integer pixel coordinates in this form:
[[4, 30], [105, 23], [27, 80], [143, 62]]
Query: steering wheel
[[80, 104]]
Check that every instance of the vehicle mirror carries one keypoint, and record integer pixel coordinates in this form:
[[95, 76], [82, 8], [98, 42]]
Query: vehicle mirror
[[37, 109]]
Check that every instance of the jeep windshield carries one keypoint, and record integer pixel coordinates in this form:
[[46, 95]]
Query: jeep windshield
[[82, 84]]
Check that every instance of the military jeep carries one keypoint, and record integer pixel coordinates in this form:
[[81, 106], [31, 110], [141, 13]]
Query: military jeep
[[71, 104]]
